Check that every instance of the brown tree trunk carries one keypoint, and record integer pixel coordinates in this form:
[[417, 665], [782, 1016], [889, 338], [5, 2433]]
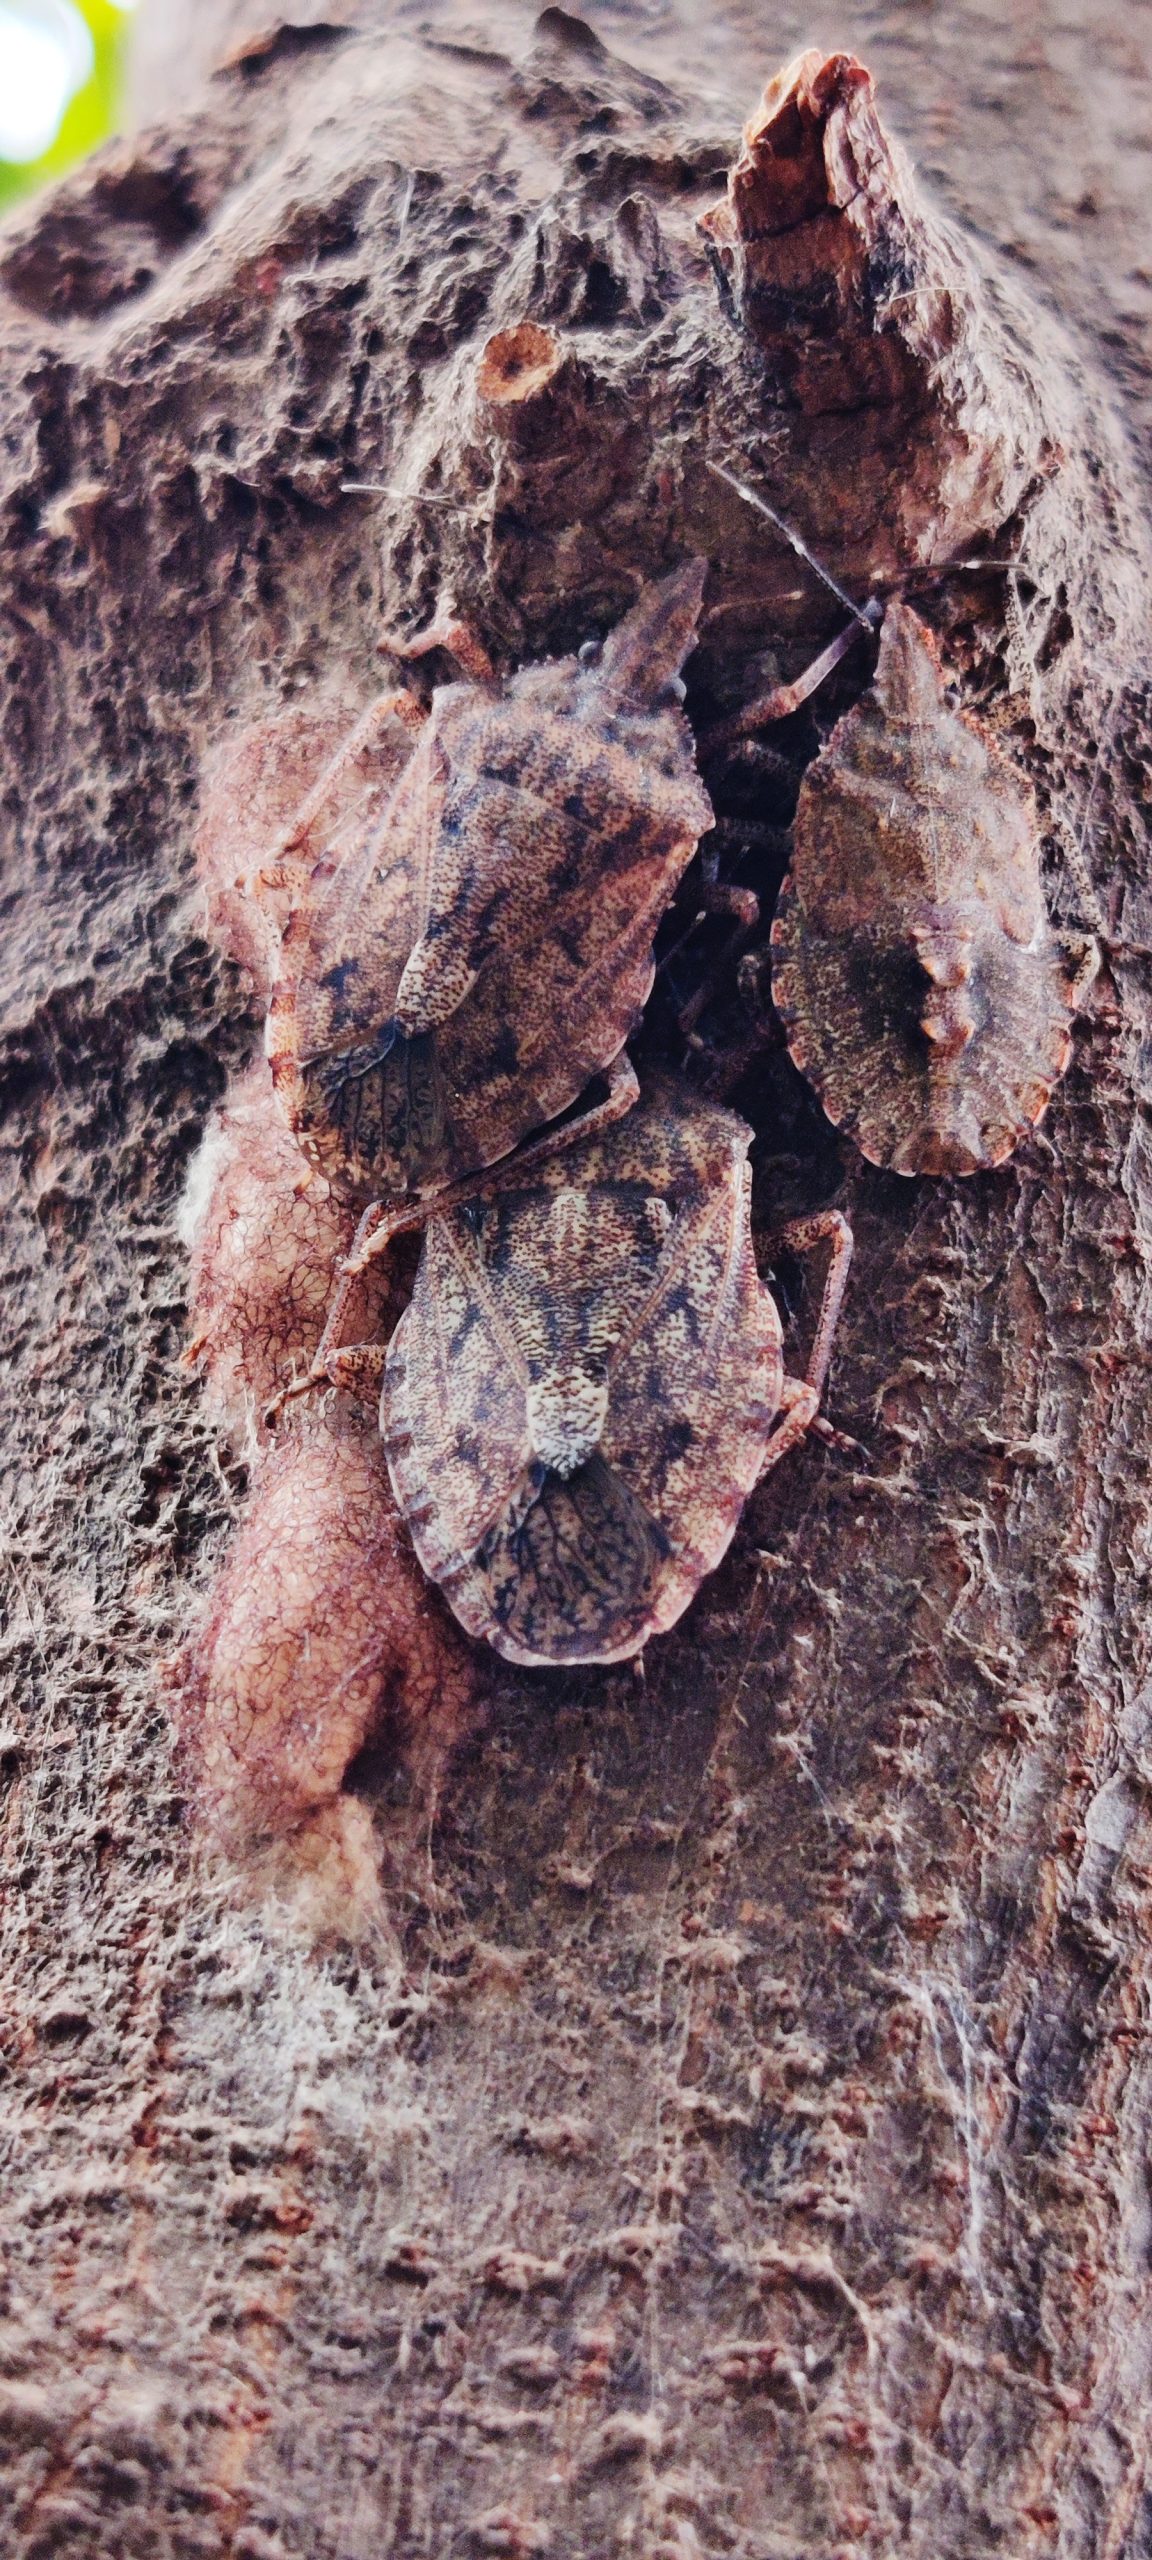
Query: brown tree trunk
[[739, 2147]]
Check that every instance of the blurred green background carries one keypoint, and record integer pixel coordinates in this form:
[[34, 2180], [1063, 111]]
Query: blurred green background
[[61, 80]]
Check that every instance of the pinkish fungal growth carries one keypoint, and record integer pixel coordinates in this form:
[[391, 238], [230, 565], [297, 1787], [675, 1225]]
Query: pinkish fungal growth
[[264, 1234], [320, 1629], [258, 805]]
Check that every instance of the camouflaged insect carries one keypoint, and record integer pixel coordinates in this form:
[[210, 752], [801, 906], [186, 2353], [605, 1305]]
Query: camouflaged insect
[[588, 1382], [457, 969], [913, 965]]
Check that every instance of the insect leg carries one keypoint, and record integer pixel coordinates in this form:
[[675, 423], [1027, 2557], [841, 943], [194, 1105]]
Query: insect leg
[[800, 1235], [353, 1360], [797, 1413], [623, 1091], [747, 836], [334, 1363], [292, 876], [827, 1226], [290, 862], [718, 897], [1086, 960], [447, 631], [783, 699]]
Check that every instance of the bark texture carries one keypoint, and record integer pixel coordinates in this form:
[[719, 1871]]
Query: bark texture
[[737, 2144]]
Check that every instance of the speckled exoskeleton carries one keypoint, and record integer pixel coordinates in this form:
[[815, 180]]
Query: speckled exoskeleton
[[589, 1381], [913, 965], [456, 968]]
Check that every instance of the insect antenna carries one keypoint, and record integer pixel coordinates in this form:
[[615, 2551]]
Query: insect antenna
[[392, 489], [867, 615], [782, 700]]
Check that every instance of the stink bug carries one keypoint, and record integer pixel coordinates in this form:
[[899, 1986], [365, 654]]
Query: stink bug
[[588, 1382], [913, 965], [456, 972], [921, 988]]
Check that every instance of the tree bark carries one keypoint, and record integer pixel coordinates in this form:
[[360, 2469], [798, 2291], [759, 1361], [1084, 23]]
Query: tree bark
[[738, 2143]]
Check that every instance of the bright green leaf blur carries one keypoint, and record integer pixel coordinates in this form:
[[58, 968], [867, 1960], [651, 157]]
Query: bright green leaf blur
[[90, 116]]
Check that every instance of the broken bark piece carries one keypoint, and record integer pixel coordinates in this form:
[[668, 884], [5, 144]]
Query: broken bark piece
[[868, 310], [518, 364], [916, 407], [913, 963]]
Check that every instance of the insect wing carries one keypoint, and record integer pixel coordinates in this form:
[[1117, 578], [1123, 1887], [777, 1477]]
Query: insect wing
[[453, 1414], [364, 1105], [547, 1569], [349, 952], [596, 841], [574, 1577], [695, 1387]]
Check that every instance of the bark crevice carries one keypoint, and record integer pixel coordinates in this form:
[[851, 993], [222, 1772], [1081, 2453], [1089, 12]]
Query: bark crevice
[[731, 2138]]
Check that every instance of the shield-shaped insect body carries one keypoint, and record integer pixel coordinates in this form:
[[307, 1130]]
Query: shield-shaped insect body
[[452, 980], [587, 1384], [914, 968]]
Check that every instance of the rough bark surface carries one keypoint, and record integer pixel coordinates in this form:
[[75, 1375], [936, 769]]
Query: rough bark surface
[[739, 2145]]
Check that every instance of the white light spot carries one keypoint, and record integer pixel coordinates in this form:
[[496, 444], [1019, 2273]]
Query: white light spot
[[46, 54]]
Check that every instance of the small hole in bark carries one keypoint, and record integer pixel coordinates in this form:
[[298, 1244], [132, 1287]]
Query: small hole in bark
[[604, 295], [518, 363], [1057, 638]]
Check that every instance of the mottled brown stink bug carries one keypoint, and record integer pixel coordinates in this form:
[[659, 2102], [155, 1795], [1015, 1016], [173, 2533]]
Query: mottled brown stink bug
[[919, 983], [913, 965], [457, 970], [588, 1382]]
